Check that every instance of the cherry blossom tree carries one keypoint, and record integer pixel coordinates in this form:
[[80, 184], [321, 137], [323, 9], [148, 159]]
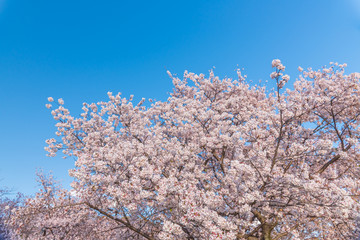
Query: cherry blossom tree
[[6, 205], [220, 159], [3, 229]]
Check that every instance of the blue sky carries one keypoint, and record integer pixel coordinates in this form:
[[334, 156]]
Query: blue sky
[[80, 50]]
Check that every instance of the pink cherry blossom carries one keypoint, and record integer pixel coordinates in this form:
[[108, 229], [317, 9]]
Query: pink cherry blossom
[[219, 159], [60, 101]]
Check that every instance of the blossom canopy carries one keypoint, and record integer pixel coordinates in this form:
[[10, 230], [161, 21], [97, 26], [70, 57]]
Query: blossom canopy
[[220, 159]]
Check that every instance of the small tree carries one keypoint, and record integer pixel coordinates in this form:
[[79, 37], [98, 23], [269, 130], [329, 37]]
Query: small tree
[[218, 160], [6, 205], [3, 208]]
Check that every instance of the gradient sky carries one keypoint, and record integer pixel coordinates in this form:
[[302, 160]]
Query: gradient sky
[[80, 50]]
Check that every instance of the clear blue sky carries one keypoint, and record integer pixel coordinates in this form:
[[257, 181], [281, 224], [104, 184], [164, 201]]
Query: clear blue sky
[[80, 50]]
